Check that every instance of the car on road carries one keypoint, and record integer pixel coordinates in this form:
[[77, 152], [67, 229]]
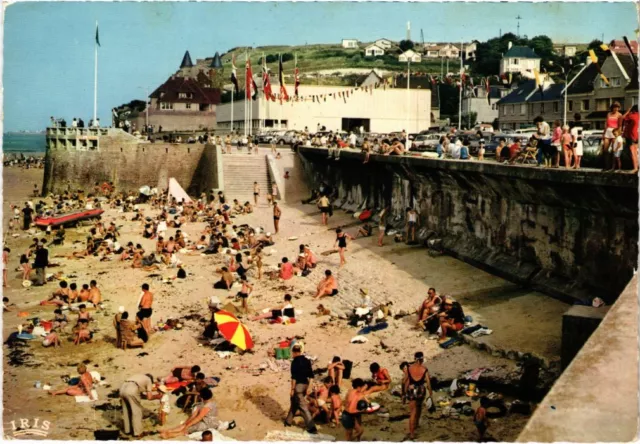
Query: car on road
[[265, 137], [288, 138]]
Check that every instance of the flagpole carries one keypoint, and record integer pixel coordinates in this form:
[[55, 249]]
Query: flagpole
[[232, 94], [95, 78], [246, 110], [408, 101], [281, 79], [251, 103], [460, 94]]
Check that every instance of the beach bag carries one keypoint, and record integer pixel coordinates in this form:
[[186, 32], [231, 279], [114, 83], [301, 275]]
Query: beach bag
[[181, 273], [348, 366], [365, 215]]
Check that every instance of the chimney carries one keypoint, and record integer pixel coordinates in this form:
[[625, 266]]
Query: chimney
[[509, 46]]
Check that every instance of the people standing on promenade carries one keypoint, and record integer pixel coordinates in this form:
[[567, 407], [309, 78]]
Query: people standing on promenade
[[576, 139], [556, 143], [567, 146], [301, 385], [227, 143], [40, 263], [276, 216], [416, 385], [613, 122], [630, 134], [543, 135], [130, 396], [341, 242]]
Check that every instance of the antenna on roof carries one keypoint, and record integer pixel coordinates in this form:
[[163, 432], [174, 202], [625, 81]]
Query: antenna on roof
[[422, 36], [518, 18]]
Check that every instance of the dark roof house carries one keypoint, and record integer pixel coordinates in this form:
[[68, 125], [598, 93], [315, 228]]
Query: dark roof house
[[521, 52], [186, 90]]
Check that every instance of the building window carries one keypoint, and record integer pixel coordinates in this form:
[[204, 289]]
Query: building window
[[634, 101], [556, 107], [602, 104], [504, 110], [513, 110], [187, 105], [516, 62], [570, 105], [614, 81], [161, 95], [166, 105], [541, 108], [523, 109], [585, 105], [182, 95], [493, 107]]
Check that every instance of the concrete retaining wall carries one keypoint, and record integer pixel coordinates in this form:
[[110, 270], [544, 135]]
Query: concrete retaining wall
[[566, 233], [130, 166]]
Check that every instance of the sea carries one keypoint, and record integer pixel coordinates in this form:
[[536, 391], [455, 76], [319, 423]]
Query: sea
[[23, 143]]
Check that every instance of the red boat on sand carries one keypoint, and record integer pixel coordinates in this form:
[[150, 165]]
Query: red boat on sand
[[67, 219]]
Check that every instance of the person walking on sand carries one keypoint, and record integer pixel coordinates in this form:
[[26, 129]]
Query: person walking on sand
[[301, 387], [323, 205], [27, 214], [40, 263], [354, 404], [256, 192], [341, 242], [412, 223], [130, 396], [416, 383], [276, 216]]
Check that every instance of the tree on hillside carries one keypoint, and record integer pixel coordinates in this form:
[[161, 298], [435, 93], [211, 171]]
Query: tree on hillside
[[406, 45]]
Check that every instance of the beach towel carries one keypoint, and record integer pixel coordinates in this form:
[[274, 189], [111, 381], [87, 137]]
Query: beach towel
[[85, 398]]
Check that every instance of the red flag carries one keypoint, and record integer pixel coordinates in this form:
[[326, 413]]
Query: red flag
[[249, 80]]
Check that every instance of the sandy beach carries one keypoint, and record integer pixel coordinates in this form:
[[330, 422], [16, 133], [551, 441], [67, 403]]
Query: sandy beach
[[258, 399]]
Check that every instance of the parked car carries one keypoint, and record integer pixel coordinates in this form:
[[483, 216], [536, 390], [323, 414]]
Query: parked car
[[425, 142], [288, 138], [265, 137], [494, 141]]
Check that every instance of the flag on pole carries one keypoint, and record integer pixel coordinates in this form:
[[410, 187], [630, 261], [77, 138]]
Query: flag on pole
[[97, 35], [283, 89], [266, 81], [248, 80], [297, 77], [234, 77], [594, 60]]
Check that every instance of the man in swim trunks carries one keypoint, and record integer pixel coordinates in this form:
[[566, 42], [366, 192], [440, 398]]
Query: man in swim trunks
[[327, 286], [276, 216], [145, 310], [351, 418], [256, 192]]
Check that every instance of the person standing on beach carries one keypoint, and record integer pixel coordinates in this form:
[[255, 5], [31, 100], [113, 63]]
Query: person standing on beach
[[301, 385], [341, 242], [40, 263], [27, 214], [256, 192], [276, 216], [5, 265], [130, 397], [145, 310]]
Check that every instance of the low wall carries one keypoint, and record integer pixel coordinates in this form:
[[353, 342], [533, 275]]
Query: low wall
[[570, 234], [130, 165]]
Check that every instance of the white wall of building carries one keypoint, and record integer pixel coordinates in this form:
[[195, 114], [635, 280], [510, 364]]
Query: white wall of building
[[523, 66], [389, 110]]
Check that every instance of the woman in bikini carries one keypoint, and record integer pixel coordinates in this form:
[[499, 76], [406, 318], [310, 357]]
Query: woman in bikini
[[341, 242], [416, 383], [613, 122], [84, 386]]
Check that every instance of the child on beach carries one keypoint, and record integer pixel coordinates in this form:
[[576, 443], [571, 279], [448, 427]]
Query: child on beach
[[52, 339], [618, 145], [480, 418], [336, 405], [245, 291]]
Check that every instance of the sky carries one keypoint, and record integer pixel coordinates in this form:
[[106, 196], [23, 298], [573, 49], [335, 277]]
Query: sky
[[48, 67]]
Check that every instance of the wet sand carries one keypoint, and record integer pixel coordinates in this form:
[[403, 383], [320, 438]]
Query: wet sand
[[258, 400]]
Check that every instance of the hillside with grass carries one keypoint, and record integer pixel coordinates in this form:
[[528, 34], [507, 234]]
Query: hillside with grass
[[323, 63]]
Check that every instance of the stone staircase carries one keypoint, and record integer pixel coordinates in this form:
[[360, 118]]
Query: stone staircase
[[241, 171]]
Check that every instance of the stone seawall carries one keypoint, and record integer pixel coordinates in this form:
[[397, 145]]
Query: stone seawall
[[131, 165], [573, 235]]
